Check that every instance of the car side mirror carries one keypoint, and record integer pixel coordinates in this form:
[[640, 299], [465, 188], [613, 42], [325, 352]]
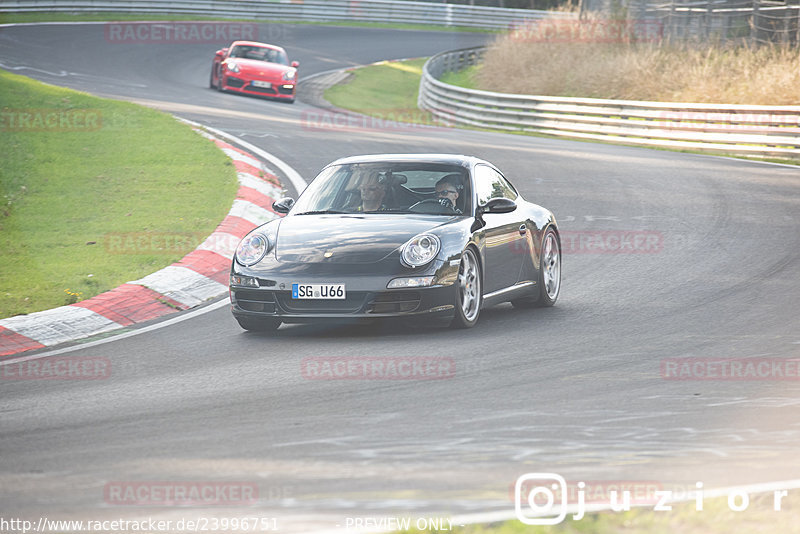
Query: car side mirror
[[498, 205], [295, 64], [222, 52], [283, 205]]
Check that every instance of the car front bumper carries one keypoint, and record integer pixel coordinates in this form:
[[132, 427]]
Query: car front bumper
[[244, 84], [435, 302]]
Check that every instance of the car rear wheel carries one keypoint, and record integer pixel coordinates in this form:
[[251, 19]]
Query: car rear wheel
[[469, 291], [211, 79], [549, 274], [258, 324]]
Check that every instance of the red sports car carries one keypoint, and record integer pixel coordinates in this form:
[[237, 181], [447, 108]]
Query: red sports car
[[254, 69]]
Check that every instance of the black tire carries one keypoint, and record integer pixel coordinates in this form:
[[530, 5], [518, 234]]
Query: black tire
[[549, 274], [469, 291], [211, 79], [259, 324], [219, 82]]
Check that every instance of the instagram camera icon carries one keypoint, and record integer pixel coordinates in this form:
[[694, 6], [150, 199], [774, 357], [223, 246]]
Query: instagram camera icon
[[553, 484]]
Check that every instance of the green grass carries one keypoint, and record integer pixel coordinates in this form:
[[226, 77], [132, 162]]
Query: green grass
[[388, 90], [9, 18], [462, 78], [71, 200], [715, 518]]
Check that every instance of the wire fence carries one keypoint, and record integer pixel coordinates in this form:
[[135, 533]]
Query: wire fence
[[738, 21]]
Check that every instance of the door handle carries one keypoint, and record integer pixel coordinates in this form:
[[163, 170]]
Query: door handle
[[522, 229]]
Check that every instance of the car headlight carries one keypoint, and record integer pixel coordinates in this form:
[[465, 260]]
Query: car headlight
[[252, 249], [232, 66], [290, 75], [420, 250]]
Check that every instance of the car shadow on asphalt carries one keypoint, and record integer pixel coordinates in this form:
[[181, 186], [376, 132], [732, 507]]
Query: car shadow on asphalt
[[496, 319]]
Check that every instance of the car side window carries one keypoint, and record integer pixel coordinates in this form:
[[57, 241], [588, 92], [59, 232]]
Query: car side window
[[491, 184]]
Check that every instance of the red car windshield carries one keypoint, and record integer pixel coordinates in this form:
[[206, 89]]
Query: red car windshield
[[260, 53]]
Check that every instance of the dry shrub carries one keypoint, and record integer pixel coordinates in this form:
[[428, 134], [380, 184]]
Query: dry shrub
[[568, 63]]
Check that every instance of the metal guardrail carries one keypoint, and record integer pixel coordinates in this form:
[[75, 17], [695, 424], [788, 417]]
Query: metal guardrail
[[734, 129], [381, 11]]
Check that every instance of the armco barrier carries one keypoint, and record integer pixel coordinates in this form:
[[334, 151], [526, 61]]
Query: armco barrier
[[383, 11], [723, 128]]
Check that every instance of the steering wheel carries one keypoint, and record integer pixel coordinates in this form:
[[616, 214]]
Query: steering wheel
[[432, 205]]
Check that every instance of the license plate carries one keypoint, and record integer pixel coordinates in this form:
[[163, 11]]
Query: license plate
[[318, 291], [259, 83]]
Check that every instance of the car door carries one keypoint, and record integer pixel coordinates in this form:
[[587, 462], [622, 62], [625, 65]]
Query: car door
[[504, 233]]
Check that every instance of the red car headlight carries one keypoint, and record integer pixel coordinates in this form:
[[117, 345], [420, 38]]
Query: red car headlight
[[290, 75], [232, 66]]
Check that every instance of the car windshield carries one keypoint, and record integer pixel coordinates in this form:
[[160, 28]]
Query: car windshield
[[436, 189], [260, 53]]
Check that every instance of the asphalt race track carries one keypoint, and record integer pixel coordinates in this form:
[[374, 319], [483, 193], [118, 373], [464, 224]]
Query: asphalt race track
[[576, 389]]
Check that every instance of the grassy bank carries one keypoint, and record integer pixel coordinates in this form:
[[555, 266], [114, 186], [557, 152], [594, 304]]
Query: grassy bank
[[388, 91], [96, 193], [642, 71]]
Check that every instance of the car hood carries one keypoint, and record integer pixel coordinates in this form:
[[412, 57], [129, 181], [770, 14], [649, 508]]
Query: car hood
[[348, 238], [260, 68]]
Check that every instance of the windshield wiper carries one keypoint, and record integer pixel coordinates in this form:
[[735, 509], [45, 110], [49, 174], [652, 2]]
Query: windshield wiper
[[320, 212]]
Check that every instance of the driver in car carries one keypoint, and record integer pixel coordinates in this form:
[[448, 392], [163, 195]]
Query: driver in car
[[448, 190], [373, 191]]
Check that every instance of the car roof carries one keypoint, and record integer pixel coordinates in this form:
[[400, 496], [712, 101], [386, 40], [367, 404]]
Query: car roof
[[254, 43], [451, 159]]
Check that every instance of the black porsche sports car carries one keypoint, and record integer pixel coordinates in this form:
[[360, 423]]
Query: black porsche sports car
[[434, 237]]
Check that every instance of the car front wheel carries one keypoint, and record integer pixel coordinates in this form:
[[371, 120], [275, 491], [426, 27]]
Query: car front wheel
[[469, 291]]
